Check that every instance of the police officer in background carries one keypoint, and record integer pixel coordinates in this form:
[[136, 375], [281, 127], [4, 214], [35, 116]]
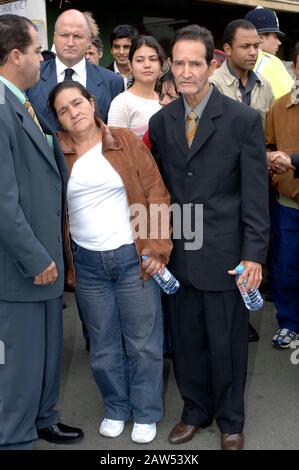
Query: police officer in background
[[267, 64]]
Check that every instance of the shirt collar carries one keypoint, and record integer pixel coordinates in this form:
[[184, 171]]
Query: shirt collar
[[125, 77], [252, 76], [116, 69], [14, 89], [78, 68], [200, 107]]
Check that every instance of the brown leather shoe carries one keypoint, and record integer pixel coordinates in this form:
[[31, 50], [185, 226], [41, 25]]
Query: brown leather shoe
[[232, 441], [182, 433]]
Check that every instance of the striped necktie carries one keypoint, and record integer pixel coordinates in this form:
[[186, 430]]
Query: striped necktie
[[192, 123], [30, 110]]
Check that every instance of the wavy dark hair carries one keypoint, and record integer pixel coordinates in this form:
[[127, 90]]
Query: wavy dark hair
[[148, 41], [67, 85], [123, 31], [194, 32]]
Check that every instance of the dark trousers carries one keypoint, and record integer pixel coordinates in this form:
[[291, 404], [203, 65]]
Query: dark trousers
[[209, 335]]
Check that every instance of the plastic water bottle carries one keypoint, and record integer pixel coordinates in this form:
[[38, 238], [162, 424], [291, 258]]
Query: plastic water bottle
[[167, 281], [252, 298]]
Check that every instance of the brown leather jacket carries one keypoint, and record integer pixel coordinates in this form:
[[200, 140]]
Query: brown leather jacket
[[143, 183], [281, 133]]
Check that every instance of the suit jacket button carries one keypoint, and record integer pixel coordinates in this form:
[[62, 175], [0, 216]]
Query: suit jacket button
[[59, 213], [190, 174]]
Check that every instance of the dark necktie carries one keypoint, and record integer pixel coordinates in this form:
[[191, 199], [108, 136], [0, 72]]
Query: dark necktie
[[68, 74]]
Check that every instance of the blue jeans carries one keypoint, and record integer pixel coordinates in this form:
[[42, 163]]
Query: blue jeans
[[284, 265], [124, 320]]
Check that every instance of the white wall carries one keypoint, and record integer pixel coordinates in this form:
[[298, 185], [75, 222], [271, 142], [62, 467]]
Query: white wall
[[33, 9], [36, 11]]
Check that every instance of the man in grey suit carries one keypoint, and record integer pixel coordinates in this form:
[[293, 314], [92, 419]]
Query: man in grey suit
[[32, 188]]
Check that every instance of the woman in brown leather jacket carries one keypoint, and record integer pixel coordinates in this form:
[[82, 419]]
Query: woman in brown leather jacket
[[113, 177]]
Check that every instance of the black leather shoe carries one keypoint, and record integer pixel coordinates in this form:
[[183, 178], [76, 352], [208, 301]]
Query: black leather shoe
[[60, 434], [252, 334]]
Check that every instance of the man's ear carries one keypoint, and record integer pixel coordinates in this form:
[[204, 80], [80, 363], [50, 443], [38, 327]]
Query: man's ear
[[261, 38], [169, 61], [14, 57], [212, 67], [227, 48]]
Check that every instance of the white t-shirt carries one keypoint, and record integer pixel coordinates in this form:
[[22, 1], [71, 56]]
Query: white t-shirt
[[97, 203], [131, 111]]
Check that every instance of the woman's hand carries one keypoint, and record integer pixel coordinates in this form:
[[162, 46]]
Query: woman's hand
[[152, 265]]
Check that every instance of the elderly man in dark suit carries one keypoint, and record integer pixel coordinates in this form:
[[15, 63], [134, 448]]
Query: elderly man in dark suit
[[210, 150], [72, 38], [32, 186]]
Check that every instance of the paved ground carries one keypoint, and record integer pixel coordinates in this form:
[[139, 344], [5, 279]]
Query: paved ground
[[271, 397]]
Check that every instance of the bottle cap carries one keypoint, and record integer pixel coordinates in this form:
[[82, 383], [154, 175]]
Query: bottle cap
[[239, 268]]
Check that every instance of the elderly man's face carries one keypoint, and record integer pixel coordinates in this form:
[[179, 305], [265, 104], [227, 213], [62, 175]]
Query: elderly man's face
[[72, 38]]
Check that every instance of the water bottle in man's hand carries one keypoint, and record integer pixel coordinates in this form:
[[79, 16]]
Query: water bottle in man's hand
[[252, 298], [166, 281]]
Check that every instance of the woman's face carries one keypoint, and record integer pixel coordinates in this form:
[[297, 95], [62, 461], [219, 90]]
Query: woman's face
[[75, 113], [168, 93], [145, 65]]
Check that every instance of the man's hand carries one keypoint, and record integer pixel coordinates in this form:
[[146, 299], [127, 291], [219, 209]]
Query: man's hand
[[48, 276], [252, 272], [279, 162]]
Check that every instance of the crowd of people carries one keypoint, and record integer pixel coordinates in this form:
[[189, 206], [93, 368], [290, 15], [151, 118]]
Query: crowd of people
[[88, 155]]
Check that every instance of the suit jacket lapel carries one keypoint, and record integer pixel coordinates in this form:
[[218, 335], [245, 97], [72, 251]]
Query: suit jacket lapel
[[31, 128], [48, 78], [204, 131], [93, 80], [178, 125], [206, 126]]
